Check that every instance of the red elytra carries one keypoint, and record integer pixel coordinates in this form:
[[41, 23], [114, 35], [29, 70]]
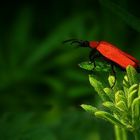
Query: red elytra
[[114, 54]]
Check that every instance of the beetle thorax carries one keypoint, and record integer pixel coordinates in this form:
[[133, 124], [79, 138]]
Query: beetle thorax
[[93, 44]]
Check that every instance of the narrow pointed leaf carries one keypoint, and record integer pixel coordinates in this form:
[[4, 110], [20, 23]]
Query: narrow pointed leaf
[[119, 96], [111, 80], [125, 81], [133, 87], [98, 88], [136, 110], [139, 90], [126, 78], [87, 65], [121, 105], [112, 107], [108, 117], [132, 75], [109, 93], [89, 108], [131, 97]]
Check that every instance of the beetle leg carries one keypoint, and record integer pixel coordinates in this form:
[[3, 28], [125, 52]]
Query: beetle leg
[[92, 56]]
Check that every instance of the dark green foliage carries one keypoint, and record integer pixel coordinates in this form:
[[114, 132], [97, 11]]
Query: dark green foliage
[[40, 74], [123, 105]]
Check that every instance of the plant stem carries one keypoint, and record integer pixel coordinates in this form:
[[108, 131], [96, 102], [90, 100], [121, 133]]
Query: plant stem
[[120, 133], [117, 132], [124, 134], [136, 135]]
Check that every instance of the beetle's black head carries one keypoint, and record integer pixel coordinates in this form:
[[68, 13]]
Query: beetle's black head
[[79, 43]]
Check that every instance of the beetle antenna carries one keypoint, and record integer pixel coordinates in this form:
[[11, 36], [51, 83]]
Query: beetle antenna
[[69, 40], [79, 43]]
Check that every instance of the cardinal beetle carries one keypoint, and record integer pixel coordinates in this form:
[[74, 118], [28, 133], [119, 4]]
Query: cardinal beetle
[[109, 52]]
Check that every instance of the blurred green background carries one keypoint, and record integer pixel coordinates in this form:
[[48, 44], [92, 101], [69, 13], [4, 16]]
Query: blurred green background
[[41, 85]]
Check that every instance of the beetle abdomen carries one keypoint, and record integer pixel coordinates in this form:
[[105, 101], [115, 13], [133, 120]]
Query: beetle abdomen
[[116, 55]]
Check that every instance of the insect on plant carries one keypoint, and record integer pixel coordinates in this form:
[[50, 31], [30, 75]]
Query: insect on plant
[[110, 53], [122, 103]]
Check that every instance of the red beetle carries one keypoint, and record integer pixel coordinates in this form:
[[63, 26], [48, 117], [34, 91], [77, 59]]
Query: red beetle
[[108, 51]]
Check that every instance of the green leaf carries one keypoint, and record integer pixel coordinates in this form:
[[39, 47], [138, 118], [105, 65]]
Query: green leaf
[[132, 88], [89, 108], [111, 80], [121, 105], [119, 96], [132, 75], [139, 90], [131, 97], [125, 81], [132, 93], [87, 65], [98, 88], [108, 117], [112, 107], [136, 110], [100, 66], [109, 93]]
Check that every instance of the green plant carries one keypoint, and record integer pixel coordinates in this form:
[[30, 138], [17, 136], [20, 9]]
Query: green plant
[[121, 103]]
